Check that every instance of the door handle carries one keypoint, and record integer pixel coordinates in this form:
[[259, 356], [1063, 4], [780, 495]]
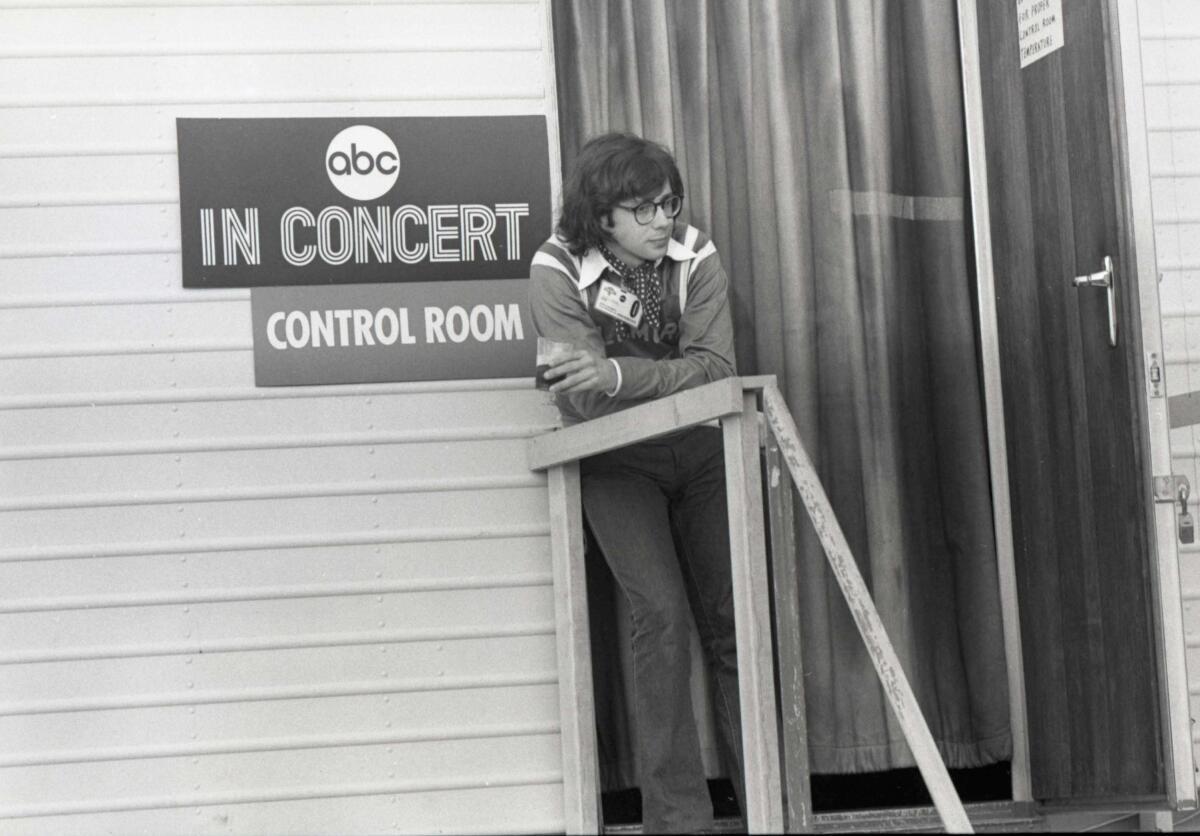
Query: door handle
[[1105, 279]]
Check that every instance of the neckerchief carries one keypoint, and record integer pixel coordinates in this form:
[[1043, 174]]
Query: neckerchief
[[645, 282]]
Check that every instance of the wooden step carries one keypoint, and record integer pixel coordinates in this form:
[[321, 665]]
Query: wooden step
[[725, 825], [992, 817], [997, 816]]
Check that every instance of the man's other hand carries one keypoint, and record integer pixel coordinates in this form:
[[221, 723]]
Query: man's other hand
[[581, 371]]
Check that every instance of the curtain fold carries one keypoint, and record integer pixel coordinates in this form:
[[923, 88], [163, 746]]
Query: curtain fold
[[822, 145]]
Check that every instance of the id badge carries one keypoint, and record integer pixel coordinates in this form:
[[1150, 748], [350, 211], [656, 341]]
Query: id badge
[[619, 303]]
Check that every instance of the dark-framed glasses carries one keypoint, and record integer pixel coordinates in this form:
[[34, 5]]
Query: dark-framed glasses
[[644, 213]]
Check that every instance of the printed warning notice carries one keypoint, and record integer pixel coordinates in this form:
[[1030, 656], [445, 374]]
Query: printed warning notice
[[1040, 29]]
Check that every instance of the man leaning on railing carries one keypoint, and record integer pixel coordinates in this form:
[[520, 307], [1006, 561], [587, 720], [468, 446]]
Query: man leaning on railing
[[641, 303]]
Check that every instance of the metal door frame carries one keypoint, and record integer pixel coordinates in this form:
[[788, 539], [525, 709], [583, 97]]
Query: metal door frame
[[1137, 219], [989, 342]]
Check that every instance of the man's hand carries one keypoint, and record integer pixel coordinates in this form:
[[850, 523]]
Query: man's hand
[[581, 371]]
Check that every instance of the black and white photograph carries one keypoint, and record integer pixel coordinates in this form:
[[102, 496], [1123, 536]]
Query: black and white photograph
[[599, 416]]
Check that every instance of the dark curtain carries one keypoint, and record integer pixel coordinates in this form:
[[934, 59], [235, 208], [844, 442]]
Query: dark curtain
[[822, 145]]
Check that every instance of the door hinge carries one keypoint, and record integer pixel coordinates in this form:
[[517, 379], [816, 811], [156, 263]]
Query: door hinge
[[1154, 375], [1170, 488]]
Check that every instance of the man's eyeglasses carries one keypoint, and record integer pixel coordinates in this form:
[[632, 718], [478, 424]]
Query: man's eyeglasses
[[644, 213]]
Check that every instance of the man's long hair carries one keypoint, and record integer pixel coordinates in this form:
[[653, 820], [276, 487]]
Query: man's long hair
[[611, 168]]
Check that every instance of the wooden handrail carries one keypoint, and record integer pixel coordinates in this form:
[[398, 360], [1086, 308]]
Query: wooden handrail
[[757, 381], [639, 423]]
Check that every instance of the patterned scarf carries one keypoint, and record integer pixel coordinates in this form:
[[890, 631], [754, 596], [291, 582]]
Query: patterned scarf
[[646, 284]]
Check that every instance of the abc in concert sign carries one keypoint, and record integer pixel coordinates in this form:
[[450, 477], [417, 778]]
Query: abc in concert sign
[[376, 250]]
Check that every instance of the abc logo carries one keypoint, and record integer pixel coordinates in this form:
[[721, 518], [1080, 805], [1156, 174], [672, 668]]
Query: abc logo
[[362, 162]]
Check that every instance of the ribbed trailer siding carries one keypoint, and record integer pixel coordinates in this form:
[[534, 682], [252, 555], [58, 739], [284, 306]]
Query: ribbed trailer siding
[[227, 609], [1170, 32]]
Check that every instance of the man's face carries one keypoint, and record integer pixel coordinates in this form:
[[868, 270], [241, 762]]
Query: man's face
[[633, 242]]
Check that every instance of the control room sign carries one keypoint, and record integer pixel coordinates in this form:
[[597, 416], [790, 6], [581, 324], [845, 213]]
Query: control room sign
[[377, 249]]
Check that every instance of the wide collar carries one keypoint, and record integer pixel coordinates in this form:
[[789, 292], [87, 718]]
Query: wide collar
[[593, 264]]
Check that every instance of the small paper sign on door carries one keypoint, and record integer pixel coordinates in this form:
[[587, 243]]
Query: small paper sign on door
[[1039, 28]]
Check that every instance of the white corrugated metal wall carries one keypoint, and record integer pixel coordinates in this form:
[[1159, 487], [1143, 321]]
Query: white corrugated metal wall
[[225, 609], [1170, 33]]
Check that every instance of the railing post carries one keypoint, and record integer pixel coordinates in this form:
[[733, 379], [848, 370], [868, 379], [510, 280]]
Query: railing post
[[751, 606], [794, 735], [581, 795]]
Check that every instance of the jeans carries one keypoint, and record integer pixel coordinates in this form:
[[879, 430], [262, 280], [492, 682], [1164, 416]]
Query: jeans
[[642, 502]]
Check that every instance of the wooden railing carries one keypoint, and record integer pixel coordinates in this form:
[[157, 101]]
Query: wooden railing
[[735, 402]]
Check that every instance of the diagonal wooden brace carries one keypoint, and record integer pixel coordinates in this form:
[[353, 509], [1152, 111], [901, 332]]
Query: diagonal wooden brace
[[895, 685]]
